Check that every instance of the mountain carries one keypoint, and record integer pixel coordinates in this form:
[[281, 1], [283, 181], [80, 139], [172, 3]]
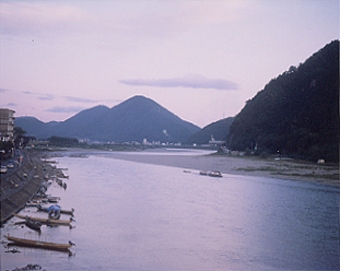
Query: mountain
[[218, 130], [296, 113], [52, 123], [135, 119], [33, 126], [143, 118], [80, 125]]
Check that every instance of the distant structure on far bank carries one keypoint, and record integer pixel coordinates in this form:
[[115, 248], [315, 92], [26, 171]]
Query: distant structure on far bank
[[6, 124], [215, 142]]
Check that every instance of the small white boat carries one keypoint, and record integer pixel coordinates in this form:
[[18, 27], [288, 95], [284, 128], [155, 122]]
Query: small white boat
[[214, 173], [211, 173]]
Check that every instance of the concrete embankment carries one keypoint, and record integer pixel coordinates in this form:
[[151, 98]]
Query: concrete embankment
[[21, 185]]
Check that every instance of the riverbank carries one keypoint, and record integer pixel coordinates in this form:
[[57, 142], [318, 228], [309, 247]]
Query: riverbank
[[22, 184]]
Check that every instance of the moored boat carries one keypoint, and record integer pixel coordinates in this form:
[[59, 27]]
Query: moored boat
[[211, 173], [48, 221], [48, 209], [53, 199], [39, 244], [34, 225], [35, 202], [214, 173]]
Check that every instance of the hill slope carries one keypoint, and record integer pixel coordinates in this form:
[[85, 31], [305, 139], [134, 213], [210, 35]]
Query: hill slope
[[33, 126], [295, 114], [79, 125], [135, 119], [218, 130]]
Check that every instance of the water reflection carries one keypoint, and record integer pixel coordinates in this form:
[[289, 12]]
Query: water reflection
[[140, 216]]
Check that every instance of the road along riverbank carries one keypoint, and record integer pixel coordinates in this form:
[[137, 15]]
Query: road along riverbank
[[20, 185]]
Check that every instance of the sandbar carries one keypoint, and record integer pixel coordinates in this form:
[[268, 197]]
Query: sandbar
[[326, 174]]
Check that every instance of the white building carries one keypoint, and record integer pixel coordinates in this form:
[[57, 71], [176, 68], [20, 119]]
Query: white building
[[215, 142], [6, 124]]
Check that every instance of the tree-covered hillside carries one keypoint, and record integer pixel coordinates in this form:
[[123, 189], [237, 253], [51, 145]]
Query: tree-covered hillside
[[296, 113], [218, 130]]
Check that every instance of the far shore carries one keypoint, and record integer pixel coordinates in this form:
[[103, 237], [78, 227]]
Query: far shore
[[288, 169], [326, 174]]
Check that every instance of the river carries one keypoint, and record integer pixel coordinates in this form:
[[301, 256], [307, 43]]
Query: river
[[139, 216]]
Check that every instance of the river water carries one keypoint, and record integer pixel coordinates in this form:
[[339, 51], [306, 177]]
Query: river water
[[134, 216]]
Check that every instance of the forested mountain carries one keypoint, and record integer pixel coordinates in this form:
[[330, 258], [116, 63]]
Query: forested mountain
[[33, 126], [135, 119], [296, 113], [81, 125], [218, 130]]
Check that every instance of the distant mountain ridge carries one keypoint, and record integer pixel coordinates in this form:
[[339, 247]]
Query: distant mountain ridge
[[135, 119]]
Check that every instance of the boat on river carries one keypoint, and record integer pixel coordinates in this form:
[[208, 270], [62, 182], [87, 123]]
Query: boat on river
[[53, 199], [47, 221], [34, 225], [53, 211], [36, 201], [212, 173], [38, 244], [48, 209], [204, 173]]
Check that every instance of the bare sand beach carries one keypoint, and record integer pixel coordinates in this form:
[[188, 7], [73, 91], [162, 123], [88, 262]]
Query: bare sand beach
[[327, 174]]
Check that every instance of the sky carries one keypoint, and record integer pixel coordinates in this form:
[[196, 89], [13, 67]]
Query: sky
[[202, 60]]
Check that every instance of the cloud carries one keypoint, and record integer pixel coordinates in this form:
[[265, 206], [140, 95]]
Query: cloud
[[40, 96], [28, 92], [3, 90], [66, 109], [79, 100], [33, 17], [172, 17], [46, 97], [12, 104], [189, 81], [124, 17]]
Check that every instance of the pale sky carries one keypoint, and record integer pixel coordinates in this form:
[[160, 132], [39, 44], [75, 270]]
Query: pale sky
[[202, 60]]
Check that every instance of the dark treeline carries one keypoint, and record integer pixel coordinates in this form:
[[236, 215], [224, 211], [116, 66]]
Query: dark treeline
[[296, 113], [63, 141]]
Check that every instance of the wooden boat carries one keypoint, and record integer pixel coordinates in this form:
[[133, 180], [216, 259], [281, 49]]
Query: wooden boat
[[35, 202], [47, 221], [53, 199], [31, 204], [34, 225], [53, 211], [46, 210], [39, 244]]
